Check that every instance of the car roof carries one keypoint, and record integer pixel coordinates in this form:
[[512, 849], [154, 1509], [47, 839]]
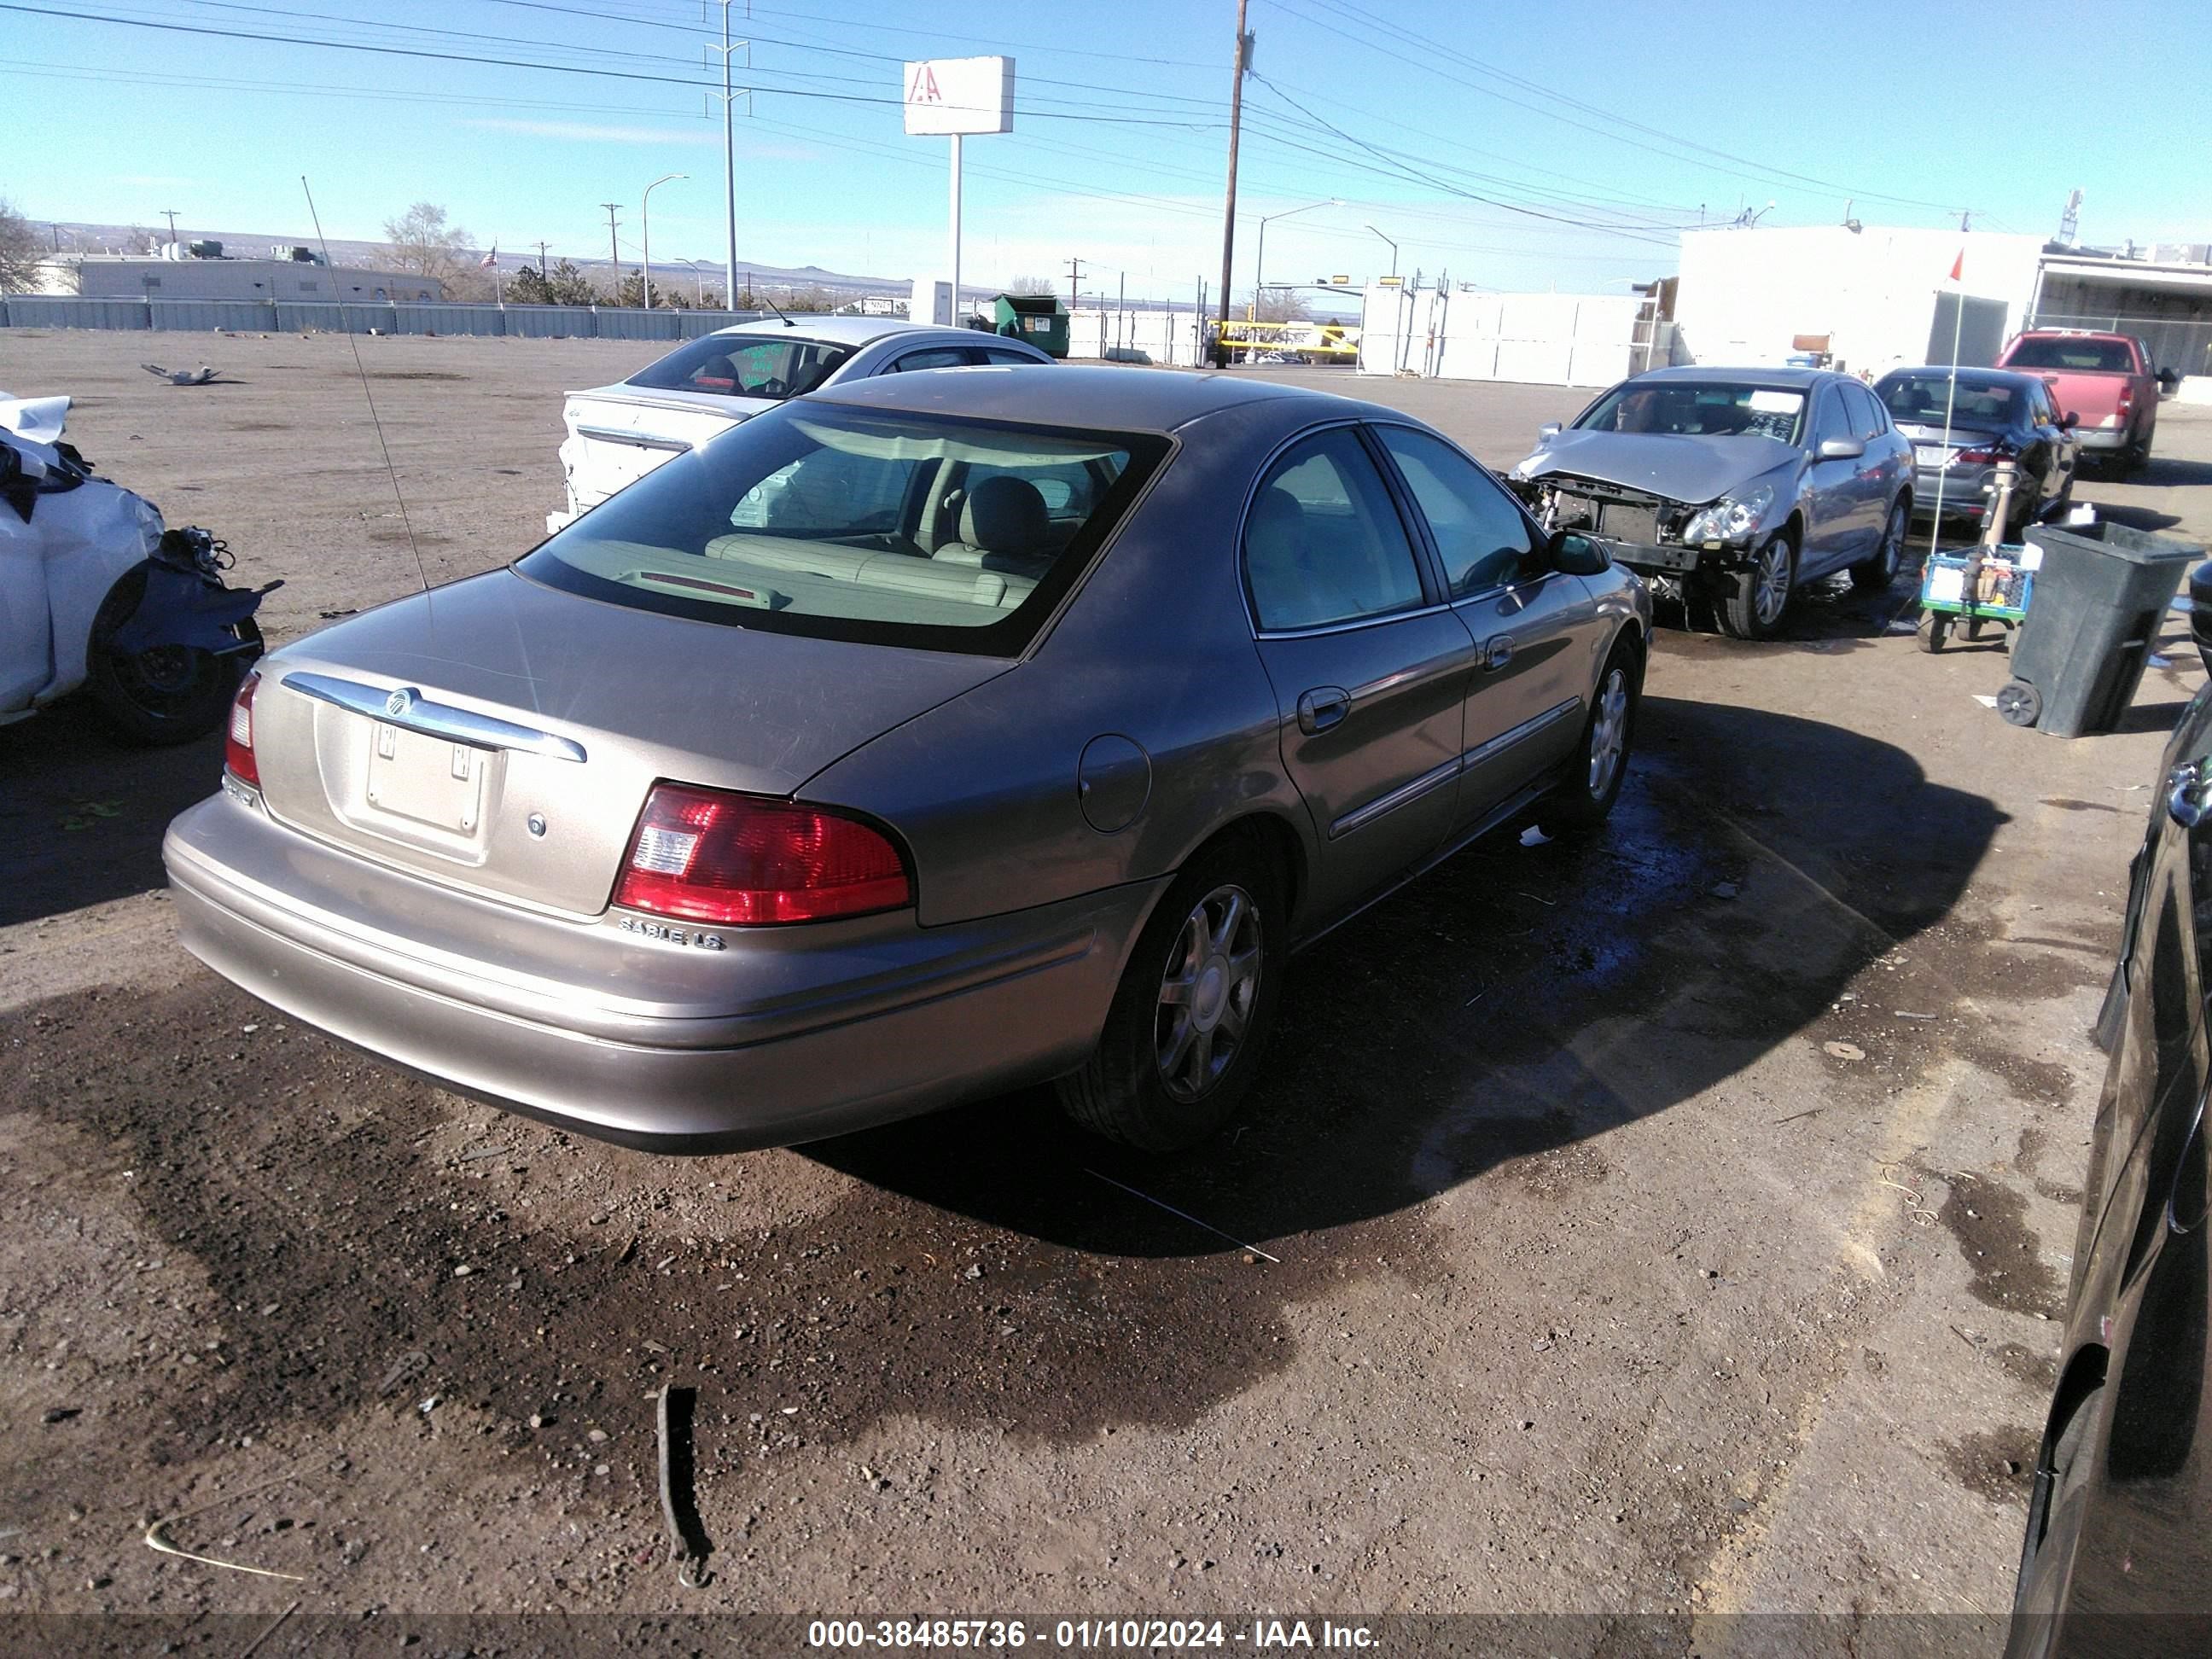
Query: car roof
[[845, 330], [1985, 377], [1772, 380], [1097, 396]]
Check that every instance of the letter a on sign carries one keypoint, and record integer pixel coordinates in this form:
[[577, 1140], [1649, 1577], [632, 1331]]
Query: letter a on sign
[[949, 95]]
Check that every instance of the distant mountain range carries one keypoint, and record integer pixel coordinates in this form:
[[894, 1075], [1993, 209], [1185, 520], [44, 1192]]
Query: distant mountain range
[[72, 237]]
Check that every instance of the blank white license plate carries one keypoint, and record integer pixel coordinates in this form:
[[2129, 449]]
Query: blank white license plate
[[1947, 585], [1933, 455], [432, 780]]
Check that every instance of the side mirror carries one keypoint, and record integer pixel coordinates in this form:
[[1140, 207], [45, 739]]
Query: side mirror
[[1840, 449], [2168, 380], [2069, 421], [1576, 553], [1549, 429]]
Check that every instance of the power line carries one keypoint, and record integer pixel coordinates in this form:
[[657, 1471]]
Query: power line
[[526, 63], [1643, 133]]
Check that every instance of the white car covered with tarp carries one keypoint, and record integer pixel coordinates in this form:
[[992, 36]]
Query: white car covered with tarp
[[97, 593]]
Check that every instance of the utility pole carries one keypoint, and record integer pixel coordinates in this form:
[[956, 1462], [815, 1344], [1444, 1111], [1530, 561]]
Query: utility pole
[[1243, 65], [171, 214], [729, 96], [614, 249], [1074, 275], [541, 270]]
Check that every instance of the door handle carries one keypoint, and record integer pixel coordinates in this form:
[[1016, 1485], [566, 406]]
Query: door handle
[[1322, 708], [1499, 651]]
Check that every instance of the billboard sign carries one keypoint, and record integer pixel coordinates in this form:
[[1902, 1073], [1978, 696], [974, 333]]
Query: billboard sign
[[960, 95]]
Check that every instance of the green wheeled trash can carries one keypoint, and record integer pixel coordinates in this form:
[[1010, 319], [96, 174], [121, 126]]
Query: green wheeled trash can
[[2101, 595]]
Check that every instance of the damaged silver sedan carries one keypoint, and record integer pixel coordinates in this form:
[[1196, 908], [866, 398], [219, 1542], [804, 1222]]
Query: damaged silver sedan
[[1727, 489]]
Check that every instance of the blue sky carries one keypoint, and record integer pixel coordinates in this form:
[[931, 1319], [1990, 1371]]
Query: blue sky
[[1514, 147]]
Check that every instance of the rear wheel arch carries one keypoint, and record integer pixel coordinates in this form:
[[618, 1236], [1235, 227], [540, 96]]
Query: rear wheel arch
[[1271, 836]]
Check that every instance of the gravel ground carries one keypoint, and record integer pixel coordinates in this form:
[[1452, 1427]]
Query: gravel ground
[[1671, 1227]]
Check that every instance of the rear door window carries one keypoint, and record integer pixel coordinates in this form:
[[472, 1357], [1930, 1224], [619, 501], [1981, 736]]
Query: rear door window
[[1323, 543], [746, 366], [1481, 534], [934, 357]]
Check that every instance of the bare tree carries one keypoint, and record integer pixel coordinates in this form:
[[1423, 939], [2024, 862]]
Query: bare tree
[[1280, 305], [19, 251], [140, 240], [424, 244], [1030, 285]]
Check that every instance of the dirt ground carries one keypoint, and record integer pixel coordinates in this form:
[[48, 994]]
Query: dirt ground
[[1672, 1227]]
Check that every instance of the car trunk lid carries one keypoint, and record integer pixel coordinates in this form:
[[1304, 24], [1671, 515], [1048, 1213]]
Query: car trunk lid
[[500, 736], [617, 434]]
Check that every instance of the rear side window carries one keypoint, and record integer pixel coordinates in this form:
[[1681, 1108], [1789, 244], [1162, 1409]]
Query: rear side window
[[934, 357], [746, 366], [897, 529], [2084, 356], [1323, 543], [1483, 537]]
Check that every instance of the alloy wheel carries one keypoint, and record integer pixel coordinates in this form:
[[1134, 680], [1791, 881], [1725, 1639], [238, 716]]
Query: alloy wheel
[[1608, 733], [1770, 574], [1208, 993]]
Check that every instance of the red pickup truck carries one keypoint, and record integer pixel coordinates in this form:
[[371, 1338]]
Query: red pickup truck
[[2103, 379]]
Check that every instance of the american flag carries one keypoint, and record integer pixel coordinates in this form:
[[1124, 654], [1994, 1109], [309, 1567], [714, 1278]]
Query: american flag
[[489, 259]]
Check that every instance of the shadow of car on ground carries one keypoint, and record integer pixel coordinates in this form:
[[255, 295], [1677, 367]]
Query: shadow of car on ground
[[980, 1267]]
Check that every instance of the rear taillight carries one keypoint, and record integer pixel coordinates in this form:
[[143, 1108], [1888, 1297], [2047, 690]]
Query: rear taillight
[[710, 855], [2127, 400], [1985, 456], [238, 737]]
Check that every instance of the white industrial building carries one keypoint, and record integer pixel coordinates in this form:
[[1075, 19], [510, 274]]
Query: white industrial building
[[1470, 334], [181, 276], [1867, 298], [1880, 297]]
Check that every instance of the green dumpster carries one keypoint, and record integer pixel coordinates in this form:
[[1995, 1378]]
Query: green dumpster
[[1039, 318]]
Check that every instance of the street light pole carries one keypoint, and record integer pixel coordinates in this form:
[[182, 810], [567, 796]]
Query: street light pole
[[1394, 251], [645, 219], [1260, 263], [699, 284]]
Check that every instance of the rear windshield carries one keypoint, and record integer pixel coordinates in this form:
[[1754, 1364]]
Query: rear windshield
[[897, 529], [1925, 399], [1694, 409], [2087, 357], [746, 366]]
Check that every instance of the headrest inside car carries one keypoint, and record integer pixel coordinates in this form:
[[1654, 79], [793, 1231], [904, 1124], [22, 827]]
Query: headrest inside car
[[1005, 515]]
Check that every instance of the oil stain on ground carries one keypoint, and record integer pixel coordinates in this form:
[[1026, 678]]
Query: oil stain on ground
[[1989, 1224]]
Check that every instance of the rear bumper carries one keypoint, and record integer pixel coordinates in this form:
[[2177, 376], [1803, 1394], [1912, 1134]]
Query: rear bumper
[[2101, 440], [1962, 490], [876, 1020]]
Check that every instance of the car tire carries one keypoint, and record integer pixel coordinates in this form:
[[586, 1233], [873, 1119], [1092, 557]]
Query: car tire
[[1874, 575], [1157, 1081], [1934, 628], [1754, 602], [1585, 796], [169, 695]]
